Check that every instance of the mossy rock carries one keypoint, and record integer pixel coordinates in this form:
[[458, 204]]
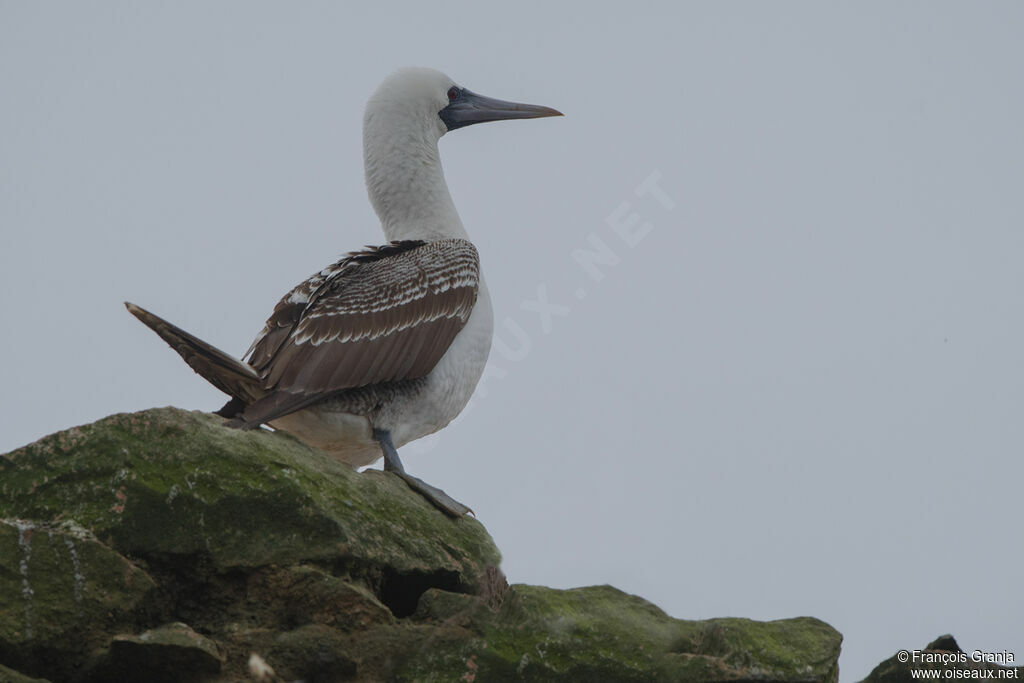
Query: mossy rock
[[62, 592], [168, 654], [599, 633], [162, 545], [304, 594], [944, 659], [171, 482]]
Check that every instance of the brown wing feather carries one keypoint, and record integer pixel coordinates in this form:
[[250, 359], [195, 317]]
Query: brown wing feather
[[379, 316], [293, 305]]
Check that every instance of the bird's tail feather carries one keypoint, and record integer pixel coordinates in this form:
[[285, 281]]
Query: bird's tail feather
[[230, 375]]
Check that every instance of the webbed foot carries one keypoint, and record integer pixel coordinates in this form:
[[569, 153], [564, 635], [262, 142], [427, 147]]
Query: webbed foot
[[436, 496]]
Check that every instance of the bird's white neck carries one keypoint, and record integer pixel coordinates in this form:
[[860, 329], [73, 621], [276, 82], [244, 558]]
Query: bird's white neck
[[406, 182]]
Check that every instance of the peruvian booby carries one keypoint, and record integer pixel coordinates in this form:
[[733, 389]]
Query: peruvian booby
[[387, 344]]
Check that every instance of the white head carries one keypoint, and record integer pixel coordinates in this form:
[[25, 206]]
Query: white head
[[428, 101], [410, 99], [405, 117]]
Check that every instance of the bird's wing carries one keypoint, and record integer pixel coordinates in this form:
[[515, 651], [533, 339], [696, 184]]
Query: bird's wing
[[381, 315]]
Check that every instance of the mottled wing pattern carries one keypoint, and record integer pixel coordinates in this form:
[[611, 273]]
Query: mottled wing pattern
[[381, 315], [293, 305]]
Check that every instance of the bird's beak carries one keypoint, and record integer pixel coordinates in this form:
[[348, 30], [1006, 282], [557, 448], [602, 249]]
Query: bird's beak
[[469, 108]]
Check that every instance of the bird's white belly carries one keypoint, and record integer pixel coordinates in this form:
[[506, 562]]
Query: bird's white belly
[[450, 384], [408, 416]]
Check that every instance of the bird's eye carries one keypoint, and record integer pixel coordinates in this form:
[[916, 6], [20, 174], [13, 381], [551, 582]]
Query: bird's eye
[[453, 93]]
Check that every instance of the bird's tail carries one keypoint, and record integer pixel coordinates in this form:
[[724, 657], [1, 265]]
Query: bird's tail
[[230, 375]]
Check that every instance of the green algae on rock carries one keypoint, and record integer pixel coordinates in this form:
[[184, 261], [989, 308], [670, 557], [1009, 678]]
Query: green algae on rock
[[173, 652], [61, 590], [171, 482], [162, 544], [942, 659], [600, 633]]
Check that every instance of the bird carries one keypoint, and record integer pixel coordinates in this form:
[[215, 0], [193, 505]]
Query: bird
[[386, 344]]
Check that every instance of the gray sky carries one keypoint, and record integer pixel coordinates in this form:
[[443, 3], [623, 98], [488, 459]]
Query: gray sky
[[799, 390]]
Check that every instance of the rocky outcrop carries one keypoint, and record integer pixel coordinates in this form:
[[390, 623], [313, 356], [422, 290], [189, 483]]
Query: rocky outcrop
[[942, 659], [162, 546]]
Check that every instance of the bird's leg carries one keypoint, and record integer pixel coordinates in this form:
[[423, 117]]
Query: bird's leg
[[439, 498]]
